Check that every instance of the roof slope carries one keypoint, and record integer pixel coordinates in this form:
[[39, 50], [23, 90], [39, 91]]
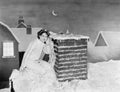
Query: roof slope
[[24, 38], [22, 25], [110, 37], [10, 30], [100, 41]]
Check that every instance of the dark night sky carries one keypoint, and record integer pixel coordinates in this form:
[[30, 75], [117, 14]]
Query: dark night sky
[[86, 17]]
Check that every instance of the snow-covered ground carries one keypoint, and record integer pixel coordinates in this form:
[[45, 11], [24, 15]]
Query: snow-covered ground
[[102, 77], [4, 90]]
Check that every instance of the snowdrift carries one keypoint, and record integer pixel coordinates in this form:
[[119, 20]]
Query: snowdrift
[[96, 54], [102, 77], [105, 76], [103, 53]]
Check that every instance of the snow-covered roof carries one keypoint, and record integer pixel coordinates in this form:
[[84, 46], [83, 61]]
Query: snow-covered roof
[[102, 77], [24, 38], [110, 37], [1, 23]]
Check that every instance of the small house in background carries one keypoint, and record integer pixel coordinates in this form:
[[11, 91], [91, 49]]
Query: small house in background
[[21, 23], [25, 36], [108, 39], [101, 41], [9, 56], [106, 46]]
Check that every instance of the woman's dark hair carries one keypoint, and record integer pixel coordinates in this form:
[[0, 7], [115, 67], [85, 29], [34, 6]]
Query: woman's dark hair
[[41, 32]]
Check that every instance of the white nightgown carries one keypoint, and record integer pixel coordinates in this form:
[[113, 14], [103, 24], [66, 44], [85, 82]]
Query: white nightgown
[[35, 75]]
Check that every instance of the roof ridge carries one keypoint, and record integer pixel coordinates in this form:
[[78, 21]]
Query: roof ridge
[[9, 30]]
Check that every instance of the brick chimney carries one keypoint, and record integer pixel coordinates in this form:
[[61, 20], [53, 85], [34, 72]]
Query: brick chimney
[[21, 23], [28, 29], [20, 20]]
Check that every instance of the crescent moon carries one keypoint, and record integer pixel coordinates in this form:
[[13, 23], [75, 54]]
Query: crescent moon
[[53, 13]]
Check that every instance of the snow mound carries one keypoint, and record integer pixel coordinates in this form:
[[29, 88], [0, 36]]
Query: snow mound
[[105, 75], [106, 71], [102, 77], [4, 90]]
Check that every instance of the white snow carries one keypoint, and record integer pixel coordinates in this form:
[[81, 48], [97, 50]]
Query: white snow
[[100, 53], [102, 77], [103, 53], [70, 36]]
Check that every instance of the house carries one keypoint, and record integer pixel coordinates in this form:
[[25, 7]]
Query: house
[[21, 23], [101, 41], [108, 39], [25, 36], [9, 56], [106, 46]]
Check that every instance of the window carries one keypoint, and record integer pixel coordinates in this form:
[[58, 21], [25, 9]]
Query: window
[[8, 49]]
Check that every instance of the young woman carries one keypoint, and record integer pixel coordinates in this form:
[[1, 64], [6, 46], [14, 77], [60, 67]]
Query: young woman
[[36, 49], [35, 74]]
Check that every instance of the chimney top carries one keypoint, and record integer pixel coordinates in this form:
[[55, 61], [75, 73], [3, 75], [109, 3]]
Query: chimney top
[[21, 23], [20, 19], [28, 26], [28, 29]]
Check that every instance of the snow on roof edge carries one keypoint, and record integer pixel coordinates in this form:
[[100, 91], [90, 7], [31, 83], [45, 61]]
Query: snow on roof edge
[[9, 30]]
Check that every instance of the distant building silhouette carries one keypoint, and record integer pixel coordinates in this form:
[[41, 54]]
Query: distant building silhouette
[[21, 23], [9, 56]]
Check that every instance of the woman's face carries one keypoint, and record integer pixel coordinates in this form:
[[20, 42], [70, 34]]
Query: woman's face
[[43, 37]]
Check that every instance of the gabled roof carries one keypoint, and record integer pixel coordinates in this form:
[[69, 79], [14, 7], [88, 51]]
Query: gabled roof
[[22, 25], [24, 38], [1, 23], [110, 37]]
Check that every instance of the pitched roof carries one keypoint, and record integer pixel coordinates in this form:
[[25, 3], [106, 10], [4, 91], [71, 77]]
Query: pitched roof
[[22, 25], [110, 37], [24, 38], [1, 23]]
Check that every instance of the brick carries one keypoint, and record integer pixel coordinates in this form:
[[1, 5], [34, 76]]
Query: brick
[[67, 48], [68, 52], [73, 75], [71, 67], [71, 59], [84, 41], [67, 42], [69, 71], [70, 64], [70, 79], [70, 42], [72, 55]]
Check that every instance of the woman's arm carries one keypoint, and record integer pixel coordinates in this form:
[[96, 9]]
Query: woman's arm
[[51, 53]]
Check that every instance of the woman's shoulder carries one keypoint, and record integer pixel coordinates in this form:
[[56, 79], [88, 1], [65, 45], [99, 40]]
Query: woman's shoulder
[[49, 41]]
